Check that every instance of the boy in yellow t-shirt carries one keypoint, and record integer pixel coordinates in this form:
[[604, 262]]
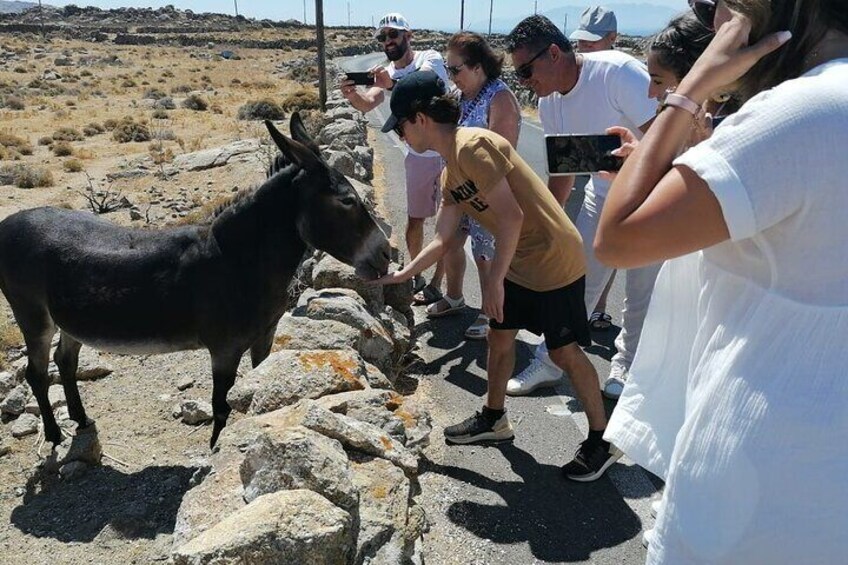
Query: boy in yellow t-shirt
[[538, 272]]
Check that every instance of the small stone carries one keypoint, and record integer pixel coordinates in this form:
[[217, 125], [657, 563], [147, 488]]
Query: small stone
[[196, 412], [72, 470], [32, 407], [185, 383], [84, 446], [26, 424], [56, 394], [7, 383], [164, 397], [16, 401]]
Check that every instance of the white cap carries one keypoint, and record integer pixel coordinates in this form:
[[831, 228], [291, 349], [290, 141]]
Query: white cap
[[392, 20], [595, 23]]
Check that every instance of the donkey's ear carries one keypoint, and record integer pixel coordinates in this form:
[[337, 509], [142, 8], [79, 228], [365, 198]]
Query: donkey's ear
[[295, 152], [299, 133]]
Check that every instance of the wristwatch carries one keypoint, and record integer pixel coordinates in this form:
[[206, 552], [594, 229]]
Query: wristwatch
[[679, 101]]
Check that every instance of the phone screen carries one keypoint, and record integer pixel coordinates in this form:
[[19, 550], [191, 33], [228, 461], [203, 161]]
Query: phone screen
[[581, 154], [365, 79]]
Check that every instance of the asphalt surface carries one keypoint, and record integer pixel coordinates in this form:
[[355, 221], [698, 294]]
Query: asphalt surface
[[509, 504]]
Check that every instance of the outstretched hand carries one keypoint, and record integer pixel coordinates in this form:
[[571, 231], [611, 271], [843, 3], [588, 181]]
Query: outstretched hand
[[396, 277], [629, 143], [728, 58]]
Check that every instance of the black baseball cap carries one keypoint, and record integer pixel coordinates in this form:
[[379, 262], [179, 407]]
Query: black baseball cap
[[418, 86]]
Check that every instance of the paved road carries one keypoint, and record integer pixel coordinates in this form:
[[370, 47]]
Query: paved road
[[509, 504]]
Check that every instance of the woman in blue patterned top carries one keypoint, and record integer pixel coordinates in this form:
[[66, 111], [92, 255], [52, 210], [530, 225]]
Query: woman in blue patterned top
[[486, 102]]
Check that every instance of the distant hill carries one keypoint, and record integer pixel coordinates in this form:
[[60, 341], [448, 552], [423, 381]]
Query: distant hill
[[7, 7], [633, 19]]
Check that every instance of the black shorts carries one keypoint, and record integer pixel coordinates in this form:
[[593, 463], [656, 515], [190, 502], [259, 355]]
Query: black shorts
[[559, 314]]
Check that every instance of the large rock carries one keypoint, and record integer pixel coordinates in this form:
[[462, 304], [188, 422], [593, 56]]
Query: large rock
[[346, 306], [349, 132], [92, 366], [384, 494], [26, 424], [329, 272], [296, 526], [217, 157], [285, 458], [288, 376], [345, 162], [300, 332]]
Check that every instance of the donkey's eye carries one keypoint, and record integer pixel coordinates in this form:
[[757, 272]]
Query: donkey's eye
[[348, 200]]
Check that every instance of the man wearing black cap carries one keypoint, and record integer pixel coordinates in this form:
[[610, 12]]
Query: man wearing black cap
[[537, 273]]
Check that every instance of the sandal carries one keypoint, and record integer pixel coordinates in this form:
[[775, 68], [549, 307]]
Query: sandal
[[479, 329], [600, 321], [427, 295], [445, 307]]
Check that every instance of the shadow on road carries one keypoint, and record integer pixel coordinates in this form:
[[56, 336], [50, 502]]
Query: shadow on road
[[543, 509]]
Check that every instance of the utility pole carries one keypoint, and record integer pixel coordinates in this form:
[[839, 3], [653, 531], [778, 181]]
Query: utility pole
[[41, 17], [462, 15], [322, 55], [535, 7], [491, 3], [565, 25], [234, 2], [348, 13], [304, 12]]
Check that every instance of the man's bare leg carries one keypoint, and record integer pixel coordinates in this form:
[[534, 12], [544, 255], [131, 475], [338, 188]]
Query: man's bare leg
[[584, 379]]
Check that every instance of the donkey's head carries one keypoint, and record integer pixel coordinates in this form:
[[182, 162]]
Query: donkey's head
[[331, 216]]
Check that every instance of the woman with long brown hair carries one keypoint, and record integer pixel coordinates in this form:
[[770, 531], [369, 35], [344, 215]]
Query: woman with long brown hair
[[755, 474]]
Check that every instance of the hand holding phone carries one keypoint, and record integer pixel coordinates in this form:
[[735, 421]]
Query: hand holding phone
[[582, 154], [361, 78]]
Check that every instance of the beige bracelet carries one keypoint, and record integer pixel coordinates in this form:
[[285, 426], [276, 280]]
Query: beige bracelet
[[682, 102]]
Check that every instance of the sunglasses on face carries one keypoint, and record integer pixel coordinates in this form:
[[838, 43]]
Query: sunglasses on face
[[525, 71], [398, 129], [454, 69], [391, 34], [705, 11]]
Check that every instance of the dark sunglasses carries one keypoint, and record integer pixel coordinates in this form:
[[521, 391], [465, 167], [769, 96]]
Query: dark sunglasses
[[705, 11], [398, 129], [391, 34], [454, 70], [525, 71]]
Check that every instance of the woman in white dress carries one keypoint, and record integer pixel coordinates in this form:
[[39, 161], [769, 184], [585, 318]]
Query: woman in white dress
[[756, 472]]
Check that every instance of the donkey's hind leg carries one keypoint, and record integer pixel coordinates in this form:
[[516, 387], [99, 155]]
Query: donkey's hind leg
[[38, 328], [224, 367], [67, 359], [261, 348]]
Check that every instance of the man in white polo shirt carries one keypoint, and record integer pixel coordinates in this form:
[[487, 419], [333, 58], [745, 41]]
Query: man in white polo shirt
[[585, 94], [423, 170]]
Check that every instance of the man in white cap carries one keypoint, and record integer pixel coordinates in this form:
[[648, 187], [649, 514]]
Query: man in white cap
[[422, 169], [597, 31]]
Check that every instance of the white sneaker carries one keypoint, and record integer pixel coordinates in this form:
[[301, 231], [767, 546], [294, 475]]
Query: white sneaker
[[614, 385], [647, 536], [538, 373]]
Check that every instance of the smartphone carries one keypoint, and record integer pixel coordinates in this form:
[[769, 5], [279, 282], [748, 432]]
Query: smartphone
[[581, 154], [717, 120], [365, 79]]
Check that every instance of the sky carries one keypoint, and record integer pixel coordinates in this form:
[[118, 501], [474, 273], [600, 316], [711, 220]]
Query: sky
[[431, 14]]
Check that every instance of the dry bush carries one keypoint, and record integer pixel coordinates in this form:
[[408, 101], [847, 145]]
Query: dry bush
[[19, 144], [14, 103], [265, 109], [110, 124], [19, 70], [25, 176], [85, 73], [62, 149], [160, 114], [45, 140], [303, 99], [153, 94], [195, 102], [166, 103], [129, 130], [67, 134], [93, 129], [72, 165], [182, 89], [128, 83]]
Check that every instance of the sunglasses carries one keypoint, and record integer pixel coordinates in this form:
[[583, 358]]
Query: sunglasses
[[391, 34], [454, 69], [705, 11], [398, 129], [525, 71]]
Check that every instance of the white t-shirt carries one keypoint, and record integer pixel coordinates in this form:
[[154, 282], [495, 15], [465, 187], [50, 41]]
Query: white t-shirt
[[429, 59], [612, 90], [777, 168]]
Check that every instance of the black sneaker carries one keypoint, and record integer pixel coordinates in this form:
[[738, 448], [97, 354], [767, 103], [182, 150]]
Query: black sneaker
[[480, 428], [591, 461]]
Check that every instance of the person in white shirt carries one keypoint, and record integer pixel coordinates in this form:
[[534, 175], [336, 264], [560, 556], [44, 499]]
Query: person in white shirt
[[423, 170], [585, 94]]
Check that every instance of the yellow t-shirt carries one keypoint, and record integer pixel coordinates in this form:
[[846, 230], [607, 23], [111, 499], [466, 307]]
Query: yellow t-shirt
[[550, 252]]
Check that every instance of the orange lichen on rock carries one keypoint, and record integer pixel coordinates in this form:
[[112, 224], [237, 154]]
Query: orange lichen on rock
[[344, 366], [281, 341], [387, 443]]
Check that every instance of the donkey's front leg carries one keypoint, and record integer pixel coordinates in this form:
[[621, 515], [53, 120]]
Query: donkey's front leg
[[261, 348], [224, 367]]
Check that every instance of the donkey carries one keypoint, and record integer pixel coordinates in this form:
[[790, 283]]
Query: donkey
[[219, 285]]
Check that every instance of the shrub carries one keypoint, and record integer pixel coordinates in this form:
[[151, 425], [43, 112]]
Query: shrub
[[93, 129], [110, 124], [46, 140], [20, 70], [182, 89], [302, 99], [19, 144], [195, 102], [129, 130], [72, 165], [153, 94], [62, 149], [24, 176], [67, 134], [14, 103], [264, 109], [85, 73], [166, 103], [128, 83], [160, 114], [70, 103]]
